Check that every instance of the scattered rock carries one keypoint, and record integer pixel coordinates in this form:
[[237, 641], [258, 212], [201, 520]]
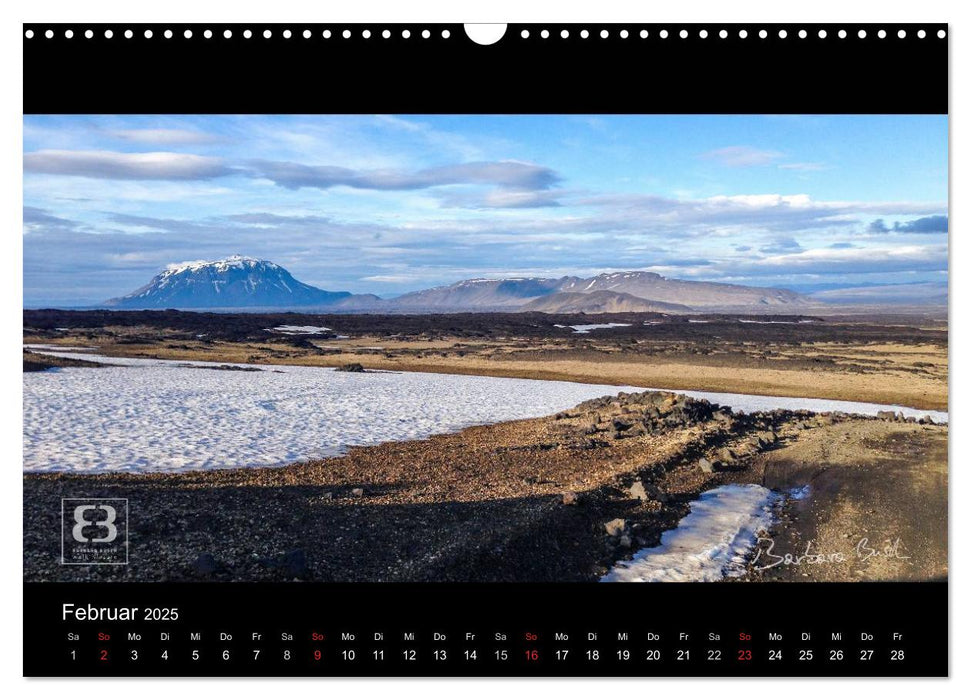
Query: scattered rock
[[625, 541], [616, 527], [706, 466], [767, 437], [637, 491], [351, 367]]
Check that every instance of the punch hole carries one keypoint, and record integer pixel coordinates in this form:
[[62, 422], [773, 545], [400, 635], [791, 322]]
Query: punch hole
[[484, 34]]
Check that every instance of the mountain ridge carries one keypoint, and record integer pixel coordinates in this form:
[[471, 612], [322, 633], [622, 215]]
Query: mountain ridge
[[244, 282]]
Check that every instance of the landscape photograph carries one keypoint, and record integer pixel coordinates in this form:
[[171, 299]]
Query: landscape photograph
[[485, 348]]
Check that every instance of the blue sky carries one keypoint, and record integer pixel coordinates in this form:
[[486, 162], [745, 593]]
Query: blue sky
[[389, 204]]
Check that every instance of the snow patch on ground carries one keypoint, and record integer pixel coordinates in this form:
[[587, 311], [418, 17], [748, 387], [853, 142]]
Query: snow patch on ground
[[55, 349], [154, 415], [752, 403], [299, 330], [799, 493], [712, 542], [587, 327]]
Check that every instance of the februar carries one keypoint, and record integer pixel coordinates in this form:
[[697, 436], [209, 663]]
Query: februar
[[90, 613]]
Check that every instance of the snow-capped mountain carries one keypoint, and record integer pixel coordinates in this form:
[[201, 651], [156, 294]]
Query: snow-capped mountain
[[646, 288], [233, 282], [652, 286]]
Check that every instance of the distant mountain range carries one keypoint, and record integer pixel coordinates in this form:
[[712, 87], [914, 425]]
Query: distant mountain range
[[913, 293], [239, 282]]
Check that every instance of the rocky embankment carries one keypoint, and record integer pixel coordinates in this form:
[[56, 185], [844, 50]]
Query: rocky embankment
[[560, 498]]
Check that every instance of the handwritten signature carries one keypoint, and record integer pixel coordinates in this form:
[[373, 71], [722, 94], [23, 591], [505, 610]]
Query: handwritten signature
[[767, 558]]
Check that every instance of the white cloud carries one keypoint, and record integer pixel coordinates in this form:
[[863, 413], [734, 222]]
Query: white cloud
[[164, 137], [802, 167], [112, 165], [742, 156]]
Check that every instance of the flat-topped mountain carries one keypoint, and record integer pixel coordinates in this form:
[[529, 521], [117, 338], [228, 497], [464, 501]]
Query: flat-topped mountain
[[233, 282]]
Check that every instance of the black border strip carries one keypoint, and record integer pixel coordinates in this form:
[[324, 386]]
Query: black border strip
[[238, 75]]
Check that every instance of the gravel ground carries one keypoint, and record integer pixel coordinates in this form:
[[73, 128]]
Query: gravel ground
[[551, 499]]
